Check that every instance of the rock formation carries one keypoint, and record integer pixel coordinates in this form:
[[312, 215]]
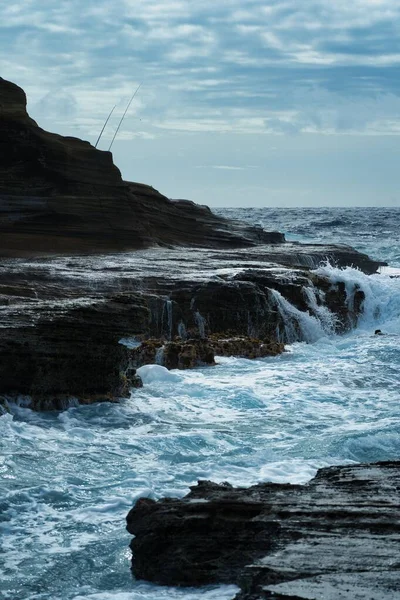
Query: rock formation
[[59, 195], [199, 352], [62, 319], [66, 298], [336, 537]]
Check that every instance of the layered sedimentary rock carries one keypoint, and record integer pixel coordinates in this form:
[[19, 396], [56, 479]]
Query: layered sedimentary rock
[[72, 354], [336, 537], [62, 318], [59, 195]]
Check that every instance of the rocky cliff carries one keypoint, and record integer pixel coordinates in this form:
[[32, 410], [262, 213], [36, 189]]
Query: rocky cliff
[[59, 195]]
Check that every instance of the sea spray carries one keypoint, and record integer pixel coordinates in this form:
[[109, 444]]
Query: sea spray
[[298, 325], [152, 373], [381, 305], [315, 299]]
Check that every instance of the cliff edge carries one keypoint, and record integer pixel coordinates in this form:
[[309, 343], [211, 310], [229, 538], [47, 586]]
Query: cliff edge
[[60, 195]]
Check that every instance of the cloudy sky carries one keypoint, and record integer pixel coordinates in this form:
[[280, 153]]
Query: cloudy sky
[[242, 102]]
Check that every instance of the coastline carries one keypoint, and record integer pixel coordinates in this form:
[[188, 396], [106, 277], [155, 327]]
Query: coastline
[[101, 277]]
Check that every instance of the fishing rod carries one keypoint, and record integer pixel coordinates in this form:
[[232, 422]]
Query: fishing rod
[[104, 126], [123, 116]]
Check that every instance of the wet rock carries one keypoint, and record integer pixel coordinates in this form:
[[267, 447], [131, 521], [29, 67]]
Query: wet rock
[[197, 352], [247, 347], [339, 533], [72, 355], [62, 319], [347, 310], [173, 355], [186, 355]]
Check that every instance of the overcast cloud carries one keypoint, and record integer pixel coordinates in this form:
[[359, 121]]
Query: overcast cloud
[[242, 102]]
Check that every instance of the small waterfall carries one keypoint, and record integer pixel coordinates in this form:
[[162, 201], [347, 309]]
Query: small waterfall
[[327, 319], [201, 324], [167, 311], [169, 318], [182, 330], [159, 358], [307, 260], [298, 325], [251, 329]]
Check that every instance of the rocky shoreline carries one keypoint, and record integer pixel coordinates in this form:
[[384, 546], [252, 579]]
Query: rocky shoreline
[[89, 260], [64, 320], [94, 284], [335, 537], [60, 195]]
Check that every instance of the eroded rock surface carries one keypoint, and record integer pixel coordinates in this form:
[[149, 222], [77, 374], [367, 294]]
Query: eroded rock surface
[[61, 319], [337, 537], [198, 352]]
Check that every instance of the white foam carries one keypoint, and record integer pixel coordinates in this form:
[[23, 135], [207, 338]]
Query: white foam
[[153, 592], [156, 373], [381, 307], [74, 475], [298, 324]]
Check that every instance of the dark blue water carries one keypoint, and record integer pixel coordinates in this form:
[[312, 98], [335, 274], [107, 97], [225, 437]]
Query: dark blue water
[[375, 231]]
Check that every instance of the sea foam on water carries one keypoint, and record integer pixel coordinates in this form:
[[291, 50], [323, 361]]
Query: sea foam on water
[[68, 479]]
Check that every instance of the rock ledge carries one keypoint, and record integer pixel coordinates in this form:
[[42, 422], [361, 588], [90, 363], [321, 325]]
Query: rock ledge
[[335, 537]]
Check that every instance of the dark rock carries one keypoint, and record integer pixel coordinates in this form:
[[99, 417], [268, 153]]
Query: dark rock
[[72, 355], [59, 195], [336, 537], [174, 355], [62, 319], [247, 347]]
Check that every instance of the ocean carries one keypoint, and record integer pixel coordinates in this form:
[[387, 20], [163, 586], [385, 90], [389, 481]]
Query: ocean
[[68, 479]]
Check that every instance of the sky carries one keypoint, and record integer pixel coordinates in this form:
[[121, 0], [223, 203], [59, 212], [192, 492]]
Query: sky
[[242, 102]]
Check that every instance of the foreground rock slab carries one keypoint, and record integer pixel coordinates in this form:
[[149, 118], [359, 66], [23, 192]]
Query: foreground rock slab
[[337, 537]]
